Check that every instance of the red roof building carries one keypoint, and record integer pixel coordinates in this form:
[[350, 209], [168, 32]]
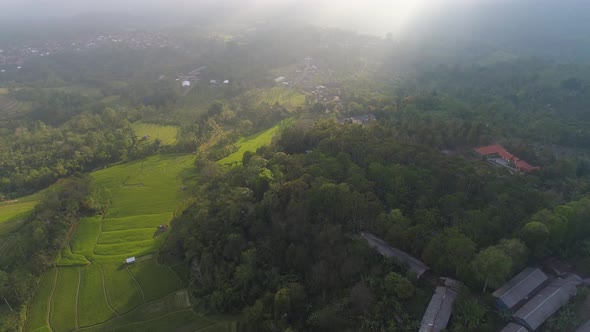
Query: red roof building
[[498, 150]]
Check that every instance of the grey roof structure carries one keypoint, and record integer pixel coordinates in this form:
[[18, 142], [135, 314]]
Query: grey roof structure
[[545, 303], [439, 310], [584, 328], [519, 287], [514, 328], [511, 327], [386, 250]]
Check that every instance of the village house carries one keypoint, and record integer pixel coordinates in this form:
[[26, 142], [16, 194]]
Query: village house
[[499, 156], [360, 119]]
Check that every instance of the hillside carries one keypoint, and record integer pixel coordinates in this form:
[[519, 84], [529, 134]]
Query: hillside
[[91, 285]]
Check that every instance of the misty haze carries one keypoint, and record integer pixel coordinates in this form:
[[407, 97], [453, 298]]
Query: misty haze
[[295, 165]]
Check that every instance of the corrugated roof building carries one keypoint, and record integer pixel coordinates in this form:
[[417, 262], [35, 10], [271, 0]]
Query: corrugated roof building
[[439, 310], [386, 250], [519, 287], [536, 311], [584, 328], [514, 328]]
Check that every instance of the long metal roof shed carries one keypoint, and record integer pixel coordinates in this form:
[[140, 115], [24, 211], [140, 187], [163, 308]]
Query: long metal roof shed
[[536, 311], [584, 328], [386, 250], [439, 310], [519, 287], [511, 327]]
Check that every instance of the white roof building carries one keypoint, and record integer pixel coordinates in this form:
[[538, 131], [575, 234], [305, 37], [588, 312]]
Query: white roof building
[[130, 260], [279, 79], [226, 82], [186, 83]]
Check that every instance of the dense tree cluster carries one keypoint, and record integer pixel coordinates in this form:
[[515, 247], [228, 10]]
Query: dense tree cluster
[[278, 234]]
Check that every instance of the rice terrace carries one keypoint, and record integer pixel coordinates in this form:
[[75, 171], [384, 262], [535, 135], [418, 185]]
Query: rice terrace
[[91, 288]]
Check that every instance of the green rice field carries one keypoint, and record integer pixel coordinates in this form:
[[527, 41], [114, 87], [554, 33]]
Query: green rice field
[[252, 143], [166, 134], [92, 288], [11, 108], [283, 96]]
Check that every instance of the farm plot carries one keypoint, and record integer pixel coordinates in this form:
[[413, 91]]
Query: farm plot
[[156, 280], [15, 210], [85, 238], [165, 314], [92, 304], [166, 134], [63, 314], [252, 143], [107, 294], [150, 186], [38, 317], [283, 96], [150, 221], [10, 108], [123, 293]]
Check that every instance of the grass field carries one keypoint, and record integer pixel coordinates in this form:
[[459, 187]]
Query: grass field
[[166, 134], [156, 280], [123, 293], [143, 221], [283, 96], [253, 142], [39, 309], [92, 305], [15, 210], [11, 108], [63, 314], [170, 313]]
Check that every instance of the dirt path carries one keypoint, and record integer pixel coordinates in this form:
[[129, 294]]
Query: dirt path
[[51, 299], [135, 309], [77, 297], [104, 290], [138, 285]]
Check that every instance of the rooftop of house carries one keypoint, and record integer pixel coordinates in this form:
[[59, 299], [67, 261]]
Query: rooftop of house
[[439, 310], [519, 287]]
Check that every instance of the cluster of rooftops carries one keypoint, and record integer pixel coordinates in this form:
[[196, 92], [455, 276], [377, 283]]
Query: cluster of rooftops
[[498, 151], [531, 296]]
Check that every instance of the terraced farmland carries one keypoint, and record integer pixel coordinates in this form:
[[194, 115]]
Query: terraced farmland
[[253, 142], [166, 134], [10, 108], [94, 288]]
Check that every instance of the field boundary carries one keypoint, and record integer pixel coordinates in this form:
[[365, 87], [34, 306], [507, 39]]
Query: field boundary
[[51, 298], [137, 308], [77, 297], [136, 282], [104, 290]]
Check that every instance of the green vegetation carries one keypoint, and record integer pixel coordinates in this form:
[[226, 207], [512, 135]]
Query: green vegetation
[[92, 305], [150, 221], [123, 293], [167, 135], [14, 210], [38, 315], [283, 96], [10, 108], [172, 311], [252, 143], [85, 237], [155, 280], [64, 302], [124, 236]]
